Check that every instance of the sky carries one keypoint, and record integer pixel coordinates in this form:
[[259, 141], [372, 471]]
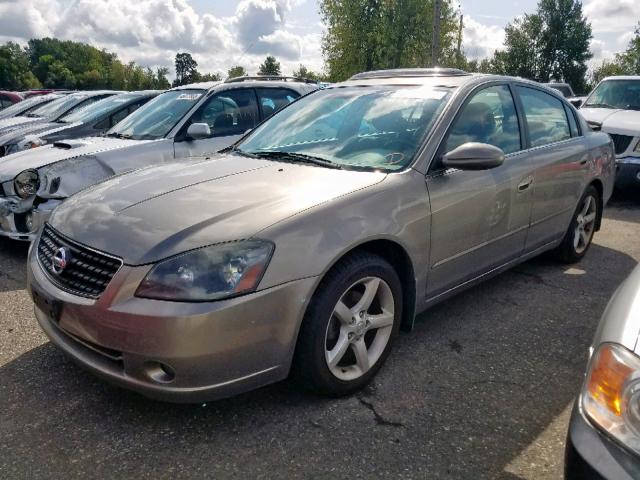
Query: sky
[[223, 33]]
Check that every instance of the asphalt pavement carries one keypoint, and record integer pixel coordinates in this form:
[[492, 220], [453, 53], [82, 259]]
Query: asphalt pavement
[[482, 388]]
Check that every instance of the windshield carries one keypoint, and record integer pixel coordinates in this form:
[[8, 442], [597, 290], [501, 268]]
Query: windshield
[[624, 94], [156, 118], [96, 110], [57, 107], [361, 127], [25, 106]]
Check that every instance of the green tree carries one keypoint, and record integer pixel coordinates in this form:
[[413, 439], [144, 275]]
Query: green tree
[[304, 72], [552, 43], [237, 71], [14, 66], [186, 69], [162, 83], [372, 34], [59, 76], [209, 77], [629, 60], [565, 39], [606, 69], [270, 66]]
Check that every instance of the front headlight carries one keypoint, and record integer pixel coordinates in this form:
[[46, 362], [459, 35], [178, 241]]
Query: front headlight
[[611, 395], [32, 142], [209, 273], [26, 183], [11, 148], [637, 149]]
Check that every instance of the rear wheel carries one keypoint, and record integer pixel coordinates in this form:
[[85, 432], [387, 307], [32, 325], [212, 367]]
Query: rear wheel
[[578, 238], [349, 326]]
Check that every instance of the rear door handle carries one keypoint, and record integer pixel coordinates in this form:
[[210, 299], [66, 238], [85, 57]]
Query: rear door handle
[[524, 184]]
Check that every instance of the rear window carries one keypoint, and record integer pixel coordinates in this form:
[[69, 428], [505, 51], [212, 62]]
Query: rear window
[[545, 116]]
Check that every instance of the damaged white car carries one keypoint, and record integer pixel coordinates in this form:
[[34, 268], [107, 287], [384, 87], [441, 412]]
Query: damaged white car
[[183, 122], [614, 107]]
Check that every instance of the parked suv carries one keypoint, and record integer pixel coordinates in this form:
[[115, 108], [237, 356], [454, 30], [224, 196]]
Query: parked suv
[[94, 119], [308, 244], [184, 121], [614, 107]]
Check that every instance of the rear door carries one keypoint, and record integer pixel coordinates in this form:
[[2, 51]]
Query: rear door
[[229, 114], [560, 158], [479, 218]]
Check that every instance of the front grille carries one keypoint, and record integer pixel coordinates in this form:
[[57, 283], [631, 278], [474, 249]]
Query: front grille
[[87, 272], [620, 142]]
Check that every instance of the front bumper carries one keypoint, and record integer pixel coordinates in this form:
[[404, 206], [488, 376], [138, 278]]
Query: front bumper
[[591, 454], [20, 222], [628, 172], [212, 349]]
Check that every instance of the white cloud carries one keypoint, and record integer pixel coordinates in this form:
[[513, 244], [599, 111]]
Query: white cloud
[[151, 32], [479, 40], [611, 16], [600, 53]]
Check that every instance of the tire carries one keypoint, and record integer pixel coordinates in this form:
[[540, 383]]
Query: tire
[[322, 362], [574, 246]]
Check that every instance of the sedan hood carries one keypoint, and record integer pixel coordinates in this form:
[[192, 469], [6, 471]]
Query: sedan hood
[[11, 165], [161, 211], [32, 130]]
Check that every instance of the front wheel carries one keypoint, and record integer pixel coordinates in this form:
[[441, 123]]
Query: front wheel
[[578, 238], [349, 326]]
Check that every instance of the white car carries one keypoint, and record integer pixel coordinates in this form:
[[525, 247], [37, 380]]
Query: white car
[[614, 108]]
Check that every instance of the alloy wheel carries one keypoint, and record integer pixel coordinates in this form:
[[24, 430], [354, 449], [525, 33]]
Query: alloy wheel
[[359, 329], [585, 224]]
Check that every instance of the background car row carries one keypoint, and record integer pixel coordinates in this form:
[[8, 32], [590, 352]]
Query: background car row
[[186, 121]]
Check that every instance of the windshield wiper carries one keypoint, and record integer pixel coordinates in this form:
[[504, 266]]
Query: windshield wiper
[[296, 157], [599, 105]]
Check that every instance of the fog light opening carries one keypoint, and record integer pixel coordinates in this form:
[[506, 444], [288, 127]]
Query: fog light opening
[[159, 372]]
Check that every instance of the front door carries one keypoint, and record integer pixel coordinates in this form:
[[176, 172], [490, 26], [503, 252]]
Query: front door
[[479, 219], [229, 114]]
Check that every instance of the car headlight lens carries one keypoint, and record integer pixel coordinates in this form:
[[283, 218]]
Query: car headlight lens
[[611, 395], [11, 148], [637, 149], [27, 183], [33, 143], [209, 273]]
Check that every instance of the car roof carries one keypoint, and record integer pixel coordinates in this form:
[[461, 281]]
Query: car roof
[[199, 85], [445, 78], [622, 77], [92, 93], [143, 93]]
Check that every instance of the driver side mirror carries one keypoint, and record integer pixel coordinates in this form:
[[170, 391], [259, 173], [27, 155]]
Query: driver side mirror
[[474, 156], [198, 131]]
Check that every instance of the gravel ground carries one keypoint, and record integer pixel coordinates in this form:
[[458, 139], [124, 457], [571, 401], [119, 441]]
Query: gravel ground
[[482, 388]]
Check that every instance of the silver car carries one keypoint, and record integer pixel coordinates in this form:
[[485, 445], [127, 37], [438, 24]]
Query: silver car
[[309, 244], [193, 119], [604, 433]]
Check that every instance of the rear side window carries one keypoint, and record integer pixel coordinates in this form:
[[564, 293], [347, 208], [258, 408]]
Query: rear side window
[[489, 117], [273, 99], [545, 116]]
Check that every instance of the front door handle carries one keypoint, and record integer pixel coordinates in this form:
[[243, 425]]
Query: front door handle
[[524, 184]]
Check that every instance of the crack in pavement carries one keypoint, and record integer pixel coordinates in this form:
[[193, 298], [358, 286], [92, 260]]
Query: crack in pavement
[[380, 420]]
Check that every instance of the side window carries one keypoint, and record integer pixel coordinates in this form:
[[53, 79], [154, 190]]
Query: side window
[[119, 115], [545, 115], [489, 117], [573, 125], [84, 103], [273, 99], [232, 112]]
